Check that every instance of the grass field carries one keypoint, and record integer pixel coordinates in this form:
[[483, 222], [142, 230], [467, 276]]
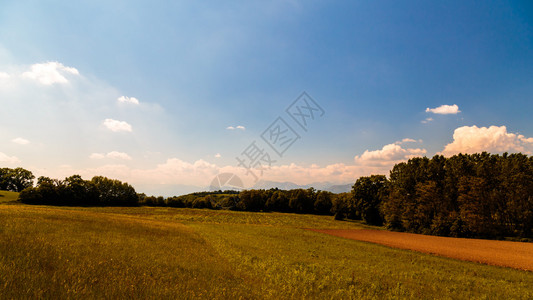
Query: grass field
[[144, 252], [8, 197]]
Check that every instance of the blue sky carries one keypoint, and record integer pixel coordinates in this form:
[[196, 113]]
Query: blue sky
[[187, 71]]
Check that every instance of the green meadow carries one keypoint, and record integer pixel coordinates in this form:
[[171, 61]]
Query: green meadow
[[7, 197], [156, 252]]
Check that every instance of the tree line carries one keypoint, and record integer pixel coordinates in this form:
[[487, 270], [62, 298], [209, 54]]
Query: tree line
[[308, 201], [212, 200], [466, 195], [477, 195], [75, 191]]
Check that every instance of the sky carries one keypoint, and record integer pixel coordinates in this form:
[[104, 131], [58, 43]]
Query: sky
[[167, 95]]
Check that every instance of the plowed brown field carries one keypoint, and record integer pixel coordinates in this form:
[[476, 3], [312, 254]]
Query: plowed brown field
[[499, 253]]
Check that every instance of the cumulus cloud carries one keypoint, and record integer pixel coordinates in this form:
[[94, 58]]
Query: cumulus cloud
[[237, 127], [427, 120], [444, 110], [495, 139], [130, 100], [20, 141], [117, 126], [8, 159], [49, 73], [388, 155], [4, 75], [218, 155], [112, 155]]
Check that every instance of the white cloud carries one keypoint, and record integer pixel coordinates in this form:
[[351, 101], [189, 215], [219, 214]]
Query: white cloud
[[118, 155], [218, 155], [237, 127], [495, 139], [130, 100], [444, 110], [20, 141], [4, 75], [112, 155], [427, 120], [8, 159], [49, 73], [97, 156], [407, 140], [388, 155], [117, 126]]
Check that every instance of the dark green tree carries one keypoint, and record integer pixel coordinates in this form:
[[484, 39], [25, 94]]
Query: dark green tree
[[368, 193], [323, 203], [278, 202], [301, 201], [114, 192], [15, 179], [251, 200]]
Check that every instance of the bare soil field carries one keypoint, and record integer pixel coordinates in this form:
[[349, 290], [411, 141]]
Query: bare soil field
[[499, 253]]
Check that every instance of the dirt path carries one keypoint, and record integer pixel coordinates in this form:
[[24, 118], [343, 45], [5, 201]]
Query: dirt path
[[499, 253]]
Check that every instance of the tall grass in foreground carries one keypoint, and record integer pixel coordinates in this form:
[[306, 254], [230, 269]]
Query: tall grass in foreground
[[143, 252], [61, 254]]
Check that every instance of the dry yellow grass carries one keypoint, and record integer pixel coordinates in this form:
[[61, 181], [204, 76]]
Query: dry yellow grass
[[498, 253], [168, 253]]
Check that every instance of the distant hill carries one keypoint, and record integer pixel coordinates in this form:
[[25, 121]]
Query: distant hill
[[265, 184], [169, 190], [341, 188], [287, 185]]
